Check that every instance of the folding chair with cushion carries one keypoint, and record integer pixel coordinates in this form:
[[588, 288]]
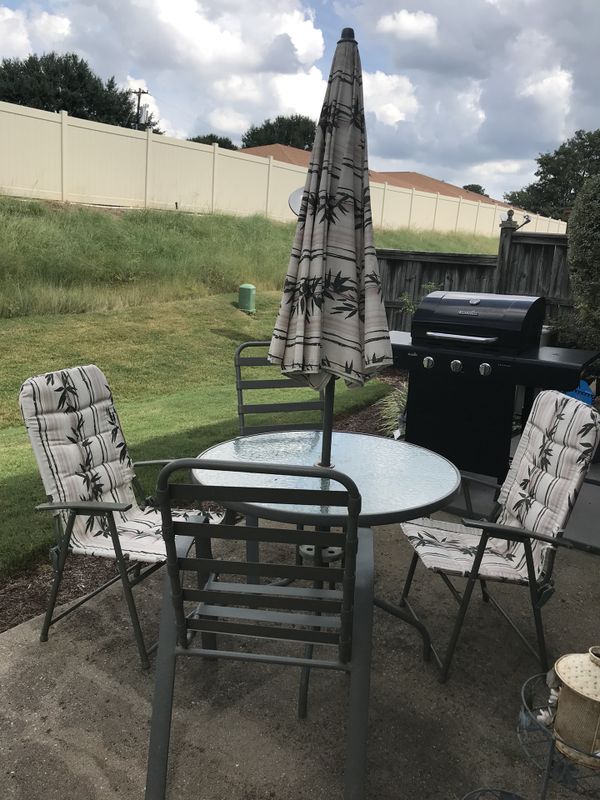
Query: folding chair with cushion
[[89, 480], [517, 542], [249, 615]]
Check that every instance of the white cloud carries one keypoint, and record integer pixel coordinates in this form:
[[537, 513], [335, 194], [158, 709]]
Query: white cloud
[[407, 25], [307, 40], [240, 88], [301, 93], [22, 33], [390, 97], [14, 38], [551, 90], [228, 121]]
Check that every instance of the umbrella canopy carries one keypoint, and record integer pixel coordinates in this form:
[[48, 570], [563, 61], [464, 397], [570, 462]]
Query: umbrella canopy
[[332, 321]]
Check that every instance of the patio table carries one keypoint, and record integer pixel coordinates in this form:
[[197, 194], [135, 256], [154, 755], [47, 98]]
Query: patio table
[[397, 481]]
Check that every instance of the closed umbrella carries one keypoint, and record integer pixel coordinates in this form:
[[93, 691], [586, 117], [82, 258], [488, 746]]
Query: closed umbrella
[[331, 320]]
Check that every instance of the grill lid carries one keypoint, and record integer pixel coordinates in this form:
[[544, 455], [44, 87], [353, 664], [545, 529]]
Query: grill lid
[[505, 322]]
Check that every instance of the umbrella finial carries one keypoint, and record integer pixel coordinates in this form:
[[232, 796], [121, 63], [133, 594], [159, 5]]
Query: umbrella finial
[[347, 35]]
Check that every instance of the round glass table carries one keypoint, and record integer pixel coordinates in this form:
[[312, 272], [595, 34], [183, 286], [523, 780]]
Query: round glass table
[[397, 481]]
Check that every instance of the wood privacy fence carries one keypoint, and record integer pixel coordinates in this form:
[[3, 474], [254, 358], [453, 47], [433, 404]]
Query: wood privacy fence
[[527, 263], [58, 157]]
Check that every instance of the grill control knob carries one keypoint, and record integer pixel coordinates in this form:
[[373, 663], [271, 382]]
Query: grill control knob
[[485, 369], [428, 362], [456, 365]]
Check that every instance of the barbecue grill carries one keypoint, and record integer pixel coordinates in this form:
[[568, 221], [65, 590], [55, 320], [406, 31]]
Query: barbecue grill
[[466, 355]]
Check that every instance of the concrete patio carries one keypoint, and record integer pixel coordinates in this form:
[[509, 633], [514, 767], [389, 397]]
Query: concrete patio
[[75, 711]]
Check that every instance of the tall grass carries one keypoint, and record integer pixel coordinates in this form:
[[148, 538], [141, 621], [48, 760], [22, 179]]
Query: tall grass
[[61, 259]]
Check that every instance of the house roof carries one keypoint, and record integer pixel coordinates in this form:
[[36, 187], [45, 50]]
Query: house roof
[[405, 180]]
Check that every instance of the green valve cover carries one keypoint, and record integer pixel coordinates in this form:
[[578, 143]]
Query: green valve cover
[[247, 298]]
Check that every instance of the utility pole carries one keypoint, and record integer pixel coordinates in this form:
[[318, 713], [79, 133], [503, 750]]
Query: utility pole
[[139, 93]]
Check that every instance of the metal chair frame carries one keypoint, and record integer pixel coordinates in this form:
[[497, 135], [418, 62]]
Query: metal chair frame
[[309, 615], [242, 361]]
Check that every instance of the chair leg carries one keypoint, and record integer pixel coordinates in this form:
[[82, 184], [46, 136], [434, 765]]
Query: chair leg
[[541, 640], [63, 550], [252, 549], [304, 680], [360, 678], [484, 592], [462, 611], [129, 600], [162, 704], [409, 579], [308, 649]]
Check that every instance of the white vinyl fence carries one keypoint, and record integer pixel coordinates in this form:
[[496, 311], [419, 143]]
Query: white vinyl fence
[[58, 157]]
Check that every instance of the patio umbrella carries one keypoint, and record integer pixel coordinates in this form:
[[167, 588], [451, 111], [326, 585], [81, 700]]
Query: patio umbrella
[[331, 320]]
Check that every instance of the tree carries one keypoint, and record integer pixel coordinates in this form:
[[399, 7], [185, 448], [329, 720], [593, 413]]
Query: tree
[[54, 82], [477, 188], [295, 130], [584, 261], [560, 175], [212, 138]]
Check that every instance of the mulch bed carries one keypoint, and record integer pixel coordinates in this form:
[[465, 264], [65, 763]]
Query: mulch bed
[[25, 595]]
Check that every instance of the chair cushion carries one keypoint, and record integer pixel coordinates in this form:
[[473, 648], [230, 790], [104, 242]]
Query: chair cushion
[[81, 453], [450, 547]]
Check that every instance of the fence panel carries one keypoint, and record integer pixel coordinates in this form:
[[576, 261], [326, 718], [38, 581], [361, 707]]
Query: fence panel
[[54, 156], [406, 277]]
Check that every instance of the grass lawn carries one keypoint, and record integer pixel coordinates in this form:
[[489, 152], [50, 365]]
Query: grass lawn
[[170, 367], [148, 296], [62, 259]]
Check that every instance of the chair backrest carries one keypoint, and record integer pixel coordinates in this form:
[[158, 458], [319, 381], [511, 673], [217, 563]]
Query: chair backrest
[[255, 373], [264, 611], [549, 466], [77, 440]]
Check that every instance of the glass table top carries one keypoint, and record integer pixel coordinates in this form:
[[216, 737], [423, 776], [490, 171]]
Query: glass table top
[[397, 481]]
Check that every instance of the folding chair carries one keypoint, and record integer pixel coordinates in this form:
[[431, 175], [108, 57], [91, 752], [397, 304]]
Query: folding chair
[[298, 617], [517, 542], [90, 482]]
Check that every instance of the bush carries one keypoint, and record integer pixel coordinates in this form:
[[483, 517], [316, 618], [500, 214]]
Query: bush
[[584, 262]]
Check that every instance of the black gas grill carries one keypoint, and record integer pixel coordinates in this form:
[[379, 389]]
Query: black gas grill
[[467, 354]]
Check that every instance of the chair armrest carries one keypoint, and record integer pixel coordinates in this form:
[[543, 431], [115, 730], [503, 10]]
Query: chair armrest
[[471, 478], [156, 462], [513, 534], [90, 507]]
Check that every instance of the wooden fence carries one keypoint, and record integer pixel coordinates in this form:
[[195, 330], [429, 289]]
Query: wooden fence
[[527, 263]]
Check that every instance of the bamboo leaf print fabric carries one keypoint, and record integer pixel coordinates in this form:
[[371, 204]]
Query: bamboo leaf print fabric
[[332, 319]]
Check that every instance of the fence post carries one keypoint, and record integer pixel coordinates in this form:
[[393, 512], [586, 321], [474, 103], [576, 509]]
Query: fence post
[[437, 200], [147, 174], [268, 197], [64, 131], [385, 186], [507, 229], [412, 197], [457, 213], [213, 189]]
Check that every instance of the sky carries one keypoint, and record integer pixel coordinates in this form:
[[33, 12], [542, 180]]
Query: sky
[[466, 91]]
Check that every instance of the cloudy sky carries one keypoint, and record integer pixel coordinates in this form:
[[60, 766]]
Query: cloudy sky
[[467, 91]]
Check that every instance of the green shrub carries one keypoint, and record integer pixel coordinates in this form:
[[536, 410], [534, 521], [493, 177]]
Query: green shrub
[[584, 262], [389, 411]]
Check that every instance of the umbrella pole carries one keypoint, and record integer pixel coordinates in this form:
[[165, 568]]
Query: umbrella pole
[[327, 423]]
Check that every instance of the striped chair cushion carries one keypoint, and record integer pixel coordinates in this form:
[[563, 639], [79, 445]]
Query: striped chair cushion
[[82, 455], [539, 492]]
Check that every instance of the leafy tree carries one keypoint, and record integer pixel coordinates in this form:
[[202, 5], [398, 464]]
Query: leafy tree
[[560, 175], [584, 261], [212, 138], [54, 82], [477, 188], [295, 130]]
